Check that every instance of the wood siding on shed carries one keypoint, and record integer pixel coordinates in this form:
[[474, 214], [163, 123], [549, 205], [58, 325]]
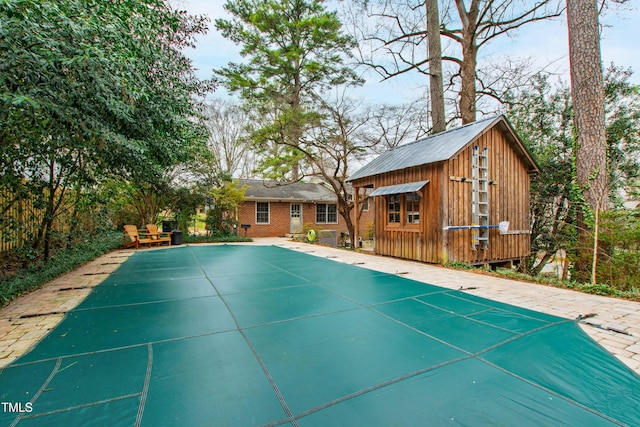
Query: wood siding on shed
[[422, 242], [508, 201], [448, 202]]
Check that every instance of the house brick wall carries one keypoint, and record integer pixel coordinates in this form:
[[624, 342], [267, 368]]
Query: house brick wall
[[279, 219]]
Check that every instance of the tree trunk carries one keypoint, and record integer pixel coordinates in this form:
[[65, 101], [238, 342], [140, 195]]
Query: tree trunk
[[467, 104], [587, 92], [296, 132], [436, 88], [468, 85], [345, 211], [543, 262]]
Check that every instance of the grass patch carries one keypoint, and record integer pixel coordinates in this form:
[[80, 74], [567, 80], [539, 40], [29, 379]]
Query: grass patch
[[30, 278]]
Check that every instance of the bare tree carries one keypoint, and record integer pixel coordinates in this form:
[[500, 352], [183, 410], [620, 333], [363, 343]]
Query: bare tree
[[333, 147], [481, 22], [434, 49], [228, 140], [349, 135], [393, 38], [393, 125], [346, 135]]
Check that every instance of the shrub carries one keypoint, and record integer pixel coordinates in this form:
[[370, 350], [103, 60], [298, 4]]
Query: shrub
[[369, 230], [619, 260], [217, 238], [24, 280]]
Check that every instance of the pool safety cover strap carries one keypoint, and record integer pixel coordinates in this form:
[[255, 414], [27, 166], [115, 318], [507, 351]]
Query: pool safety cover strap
[[240, 335]]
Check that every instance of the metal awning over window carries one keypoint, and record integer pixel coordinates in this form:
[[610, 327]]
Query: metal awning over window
[[410, 187]]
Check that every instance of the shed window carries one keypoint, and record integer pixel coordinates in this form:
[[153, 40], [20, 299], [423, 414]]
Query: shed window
[[262, 213], [365, 205], [326, 213], [413, 208], [403, 209], [394, 208]]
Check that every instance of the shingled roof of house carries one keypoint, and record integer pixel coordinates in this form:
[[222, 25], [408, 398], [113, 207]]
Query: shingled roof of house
[[256, 189]]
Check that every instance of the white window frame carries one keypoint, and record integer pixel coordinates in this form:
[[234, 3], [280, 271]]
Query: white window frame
[[365, 204], [326, 213], [268, 213]]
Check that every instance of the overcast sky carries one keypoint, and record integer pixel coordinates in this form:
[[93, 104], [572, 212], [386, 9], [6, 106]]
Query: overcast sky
[[544, 42]]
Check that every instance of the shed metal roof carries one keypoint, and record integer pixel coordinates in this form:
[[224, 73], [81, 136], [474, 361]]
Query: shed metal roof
[[440, 147], [409, 187], [257, 189]]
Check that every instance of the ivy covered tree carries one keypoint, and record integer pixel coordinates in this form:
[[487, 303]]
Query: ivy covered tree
[[587, 93], [295, 49], [543, 116]]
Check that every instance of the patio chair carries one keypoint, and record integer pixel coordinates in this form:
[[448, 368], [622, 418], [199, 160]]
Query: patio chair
[[136, 239], [159, 236]]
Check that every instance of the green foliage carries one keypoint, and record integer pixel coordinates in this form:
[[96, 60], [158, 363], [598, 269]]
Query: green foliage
[[105, 79], [221, 215], [619, 260], [459, 265], [598, 289], [21, 281], [227, 238], [184, 205], [543, 117], [370, 228], [622, 109], [290, 45], [295, 51], [89, 90]]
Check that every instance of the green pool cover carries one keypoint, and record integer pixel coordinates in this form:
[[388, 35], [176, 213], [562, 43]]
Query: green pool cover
[[250, 335]]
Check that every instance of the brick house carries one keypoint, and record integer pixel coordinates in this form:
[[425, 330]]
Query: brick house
[[273, 209]]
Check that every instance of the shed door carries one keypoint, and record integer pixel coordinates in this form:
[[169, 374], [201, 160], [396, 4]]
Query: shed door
[[295, 224]]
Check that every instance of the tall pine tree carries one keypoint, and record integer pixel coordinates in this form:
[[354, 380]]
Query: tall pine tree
[[587, 93], [295, 50]]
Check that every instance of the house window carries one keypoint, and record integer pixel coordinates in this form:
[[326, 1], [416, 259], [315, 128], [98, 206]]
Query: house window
[[326, 214], [262, 213], [413, 208], [365, 205], [394, 209]]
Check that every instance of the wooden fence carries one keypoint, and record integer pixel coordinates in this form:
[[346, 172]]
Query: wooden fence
[[19, 220]]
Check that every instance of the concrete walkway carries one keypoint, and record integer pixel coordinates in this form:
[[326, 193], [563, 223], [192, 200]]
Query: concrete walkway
[[616, 324]]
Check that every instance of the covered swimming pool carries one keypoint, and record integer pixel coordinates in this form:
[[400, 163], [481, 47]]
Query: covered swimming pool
[[235, 335]]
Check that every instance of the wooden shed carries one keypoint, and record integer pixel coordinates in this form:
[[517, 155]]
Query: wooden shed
[[461, 195]]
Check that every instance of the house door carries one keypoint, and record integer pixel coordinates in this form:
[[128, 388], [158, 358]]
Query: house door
[[295, 224]]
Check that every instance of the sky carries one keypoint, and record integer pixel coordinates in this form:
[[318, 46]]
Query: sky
[[543, 42]]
